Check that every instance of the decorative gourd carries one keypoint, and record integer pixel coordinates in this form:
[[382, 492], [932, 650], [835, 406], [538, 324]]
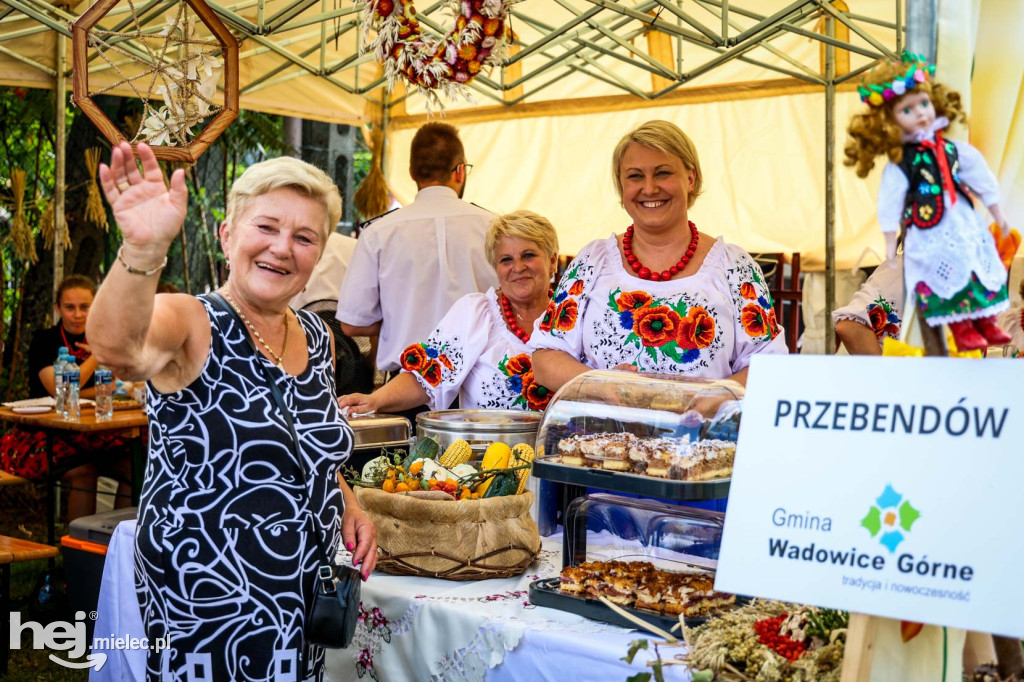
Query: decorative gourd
[[426, 448]]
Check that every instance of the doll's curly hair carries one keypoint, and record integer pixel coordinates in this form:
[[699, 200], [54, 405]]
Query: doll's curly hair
[[875, 132]]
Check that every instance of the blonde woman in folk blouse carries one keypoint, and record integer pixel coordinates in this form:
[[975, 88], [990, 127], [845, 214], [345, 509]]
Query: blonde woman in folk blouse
[[662, 297]]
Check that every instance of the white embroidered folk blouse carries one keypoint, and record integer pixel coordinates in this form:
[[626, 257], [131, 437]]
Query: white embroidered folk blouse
[[472, 354], [709, 324]]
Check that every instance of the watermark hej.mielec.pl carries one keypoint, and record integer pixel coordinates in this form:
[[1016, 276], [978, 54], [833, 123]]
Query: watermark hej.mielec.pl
[[71, 637]]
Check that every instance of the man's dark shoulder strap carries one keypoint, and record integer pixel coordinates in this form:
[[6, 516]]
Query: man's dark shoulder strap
[[365, 224]]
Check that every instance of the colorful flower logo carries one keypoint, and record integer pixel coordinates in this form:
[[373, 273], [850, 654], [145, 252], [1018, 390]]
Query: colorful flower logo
[[890, 518]]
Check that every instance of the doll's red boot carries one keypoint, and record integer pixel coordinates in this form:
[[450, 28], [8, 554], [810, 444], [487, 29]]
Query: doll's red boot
[[993, 333], [966, 336]]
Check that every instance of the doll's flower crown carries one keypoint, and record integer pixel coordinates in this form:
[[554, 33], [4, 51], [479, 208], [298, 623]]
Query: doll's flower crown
[[918, 70]]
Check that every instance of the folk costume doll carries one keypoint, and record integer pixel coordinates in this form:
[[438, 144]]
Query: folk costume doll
[[928, 187]]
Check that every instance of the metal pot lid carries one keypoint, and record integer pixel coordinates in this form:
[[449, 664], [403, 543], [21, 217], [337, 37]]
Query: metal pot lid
[[481, 421], [379, 429]]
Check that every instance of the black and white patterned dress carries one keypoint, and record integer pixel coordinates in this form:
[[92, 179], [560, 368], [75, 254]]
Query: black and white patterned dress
[[224, 561]]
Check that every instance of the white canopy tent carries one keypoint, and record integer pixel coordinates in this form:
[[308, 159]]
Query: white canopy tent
[[745, 78]]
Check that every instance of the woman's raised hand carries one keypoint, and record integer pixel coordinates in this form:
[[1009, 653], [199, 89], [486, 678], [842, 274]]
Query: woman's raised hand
[[148, 214]]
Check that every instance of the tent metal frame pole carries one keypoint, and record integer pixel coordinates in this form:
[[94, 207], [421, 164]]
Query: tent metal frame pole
[[830, 187], [60, 162]]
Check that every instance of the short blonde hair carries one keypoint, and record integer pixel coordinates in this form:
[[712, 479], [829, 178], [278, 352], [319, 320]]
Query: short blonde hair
[[290, 173], [525, 225], [665, 137]]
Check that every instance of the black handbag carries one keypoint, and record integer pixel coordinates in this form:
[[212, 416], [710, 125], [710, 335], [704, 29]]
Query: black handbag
[[332, 617]]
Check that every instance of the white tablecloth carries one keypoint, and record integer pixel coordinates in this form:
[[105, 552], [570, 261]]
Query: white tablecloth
[[423, 629]]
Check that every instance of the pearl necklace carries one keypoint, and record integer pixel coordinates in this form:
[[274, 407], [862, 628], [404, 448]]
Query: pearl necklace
[[279, 359], [665, 275], [510, 318]]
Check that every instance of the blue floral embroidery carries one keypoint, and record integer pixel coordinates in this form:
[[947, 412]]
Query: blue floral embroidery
[[626, 319], [691, 354], [431, 352], [515, 383]]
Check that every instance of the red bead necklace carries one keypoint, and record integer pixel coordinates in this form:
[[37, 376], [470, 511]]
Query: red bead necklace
[[665, 275], [510, 317]]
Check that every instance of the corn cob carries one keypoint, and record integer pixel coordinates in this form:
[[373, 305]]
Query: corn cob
[[521, 454], [457, 453]]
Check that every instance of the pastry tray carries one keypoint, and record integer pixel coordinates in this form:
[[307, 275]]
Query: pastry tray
[[546, 592], [550, 469]]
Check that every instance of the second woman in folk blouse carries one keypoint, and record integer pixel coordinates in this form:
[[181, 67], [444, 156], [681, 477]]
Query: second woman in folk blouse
[[478, 350]]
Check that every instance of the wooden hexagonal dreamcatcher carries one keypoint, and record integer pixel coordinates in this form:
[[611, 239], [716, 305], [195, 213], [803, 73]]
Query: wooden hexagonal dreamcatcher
[[182, 62]]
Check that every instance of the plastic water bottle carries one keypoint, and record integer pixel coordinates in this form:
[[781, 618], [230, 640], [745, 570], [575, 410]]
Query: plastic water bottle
[[120, 392], [47, 592], [104, 383], [60, 394], [73, 408]]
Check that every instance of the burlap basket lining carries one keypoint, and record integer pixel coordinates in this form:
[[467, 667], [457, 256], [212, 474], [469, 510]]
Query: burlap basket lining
[[465, 540]]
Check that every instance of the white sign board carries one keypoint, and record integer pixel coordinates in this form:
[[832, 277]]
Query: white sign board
[[886, 486]]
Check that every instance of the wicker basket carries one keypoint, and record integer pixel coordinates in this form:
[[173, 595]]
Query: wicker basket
[[465, 540]]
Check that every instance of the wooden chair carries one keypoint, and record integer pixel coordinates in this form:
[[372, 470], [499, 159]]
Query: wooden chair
[[13, 551], [787, 294]]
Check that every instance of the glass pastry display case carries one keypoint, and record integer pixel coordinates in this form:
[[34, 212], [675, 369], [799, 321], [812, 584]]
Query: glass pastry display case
[[671, 437], [653, 559]]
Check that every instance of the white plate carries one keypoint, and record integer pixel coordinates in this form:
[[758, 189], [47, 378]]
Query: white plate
[[32, 409]]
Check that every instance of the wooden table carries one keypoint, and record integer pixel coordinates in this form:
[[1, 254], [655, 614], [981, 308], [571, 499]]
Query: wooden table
[[128, 424], [13, 551]]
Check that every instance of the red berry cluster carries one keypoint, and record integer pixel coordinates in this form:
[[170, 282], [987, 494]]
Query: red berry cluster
[[768, 634]]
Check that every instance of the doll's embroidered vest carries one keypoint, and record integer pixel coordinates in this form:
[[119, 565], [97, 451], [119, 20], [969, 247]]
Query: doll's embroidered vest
[[925, 202]]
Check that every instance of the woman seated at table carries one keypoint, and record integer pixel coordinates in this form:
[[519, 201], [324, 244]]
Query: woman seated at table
[[74, 296], [478, 350], [236, 514], [663, 297], [23, 451]]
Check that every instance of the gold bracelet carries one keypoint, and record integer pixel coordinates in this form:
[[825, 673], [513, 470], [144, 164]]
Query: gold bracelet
[[137, 271]]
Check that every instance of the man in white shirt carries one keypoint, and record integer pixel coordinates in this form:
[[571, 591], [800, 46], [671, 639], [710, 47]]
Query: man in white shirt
[[325, 282], [412, 264]]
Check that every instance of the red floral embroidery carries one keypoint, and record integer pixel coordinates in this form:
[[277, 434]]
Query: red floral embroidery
[[414, 358], [446, 362], [656, 326], [697, 329], [633, 300], [752, 317], [566, 314], [747, 290], [432, 373], [519, 364], [537, 396], [577, 288], [549, 317]]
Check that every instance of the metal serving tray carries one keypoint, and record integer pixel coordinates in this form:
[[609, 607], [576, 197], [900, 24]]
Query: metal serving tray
[[545, 592], [550, 469]]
